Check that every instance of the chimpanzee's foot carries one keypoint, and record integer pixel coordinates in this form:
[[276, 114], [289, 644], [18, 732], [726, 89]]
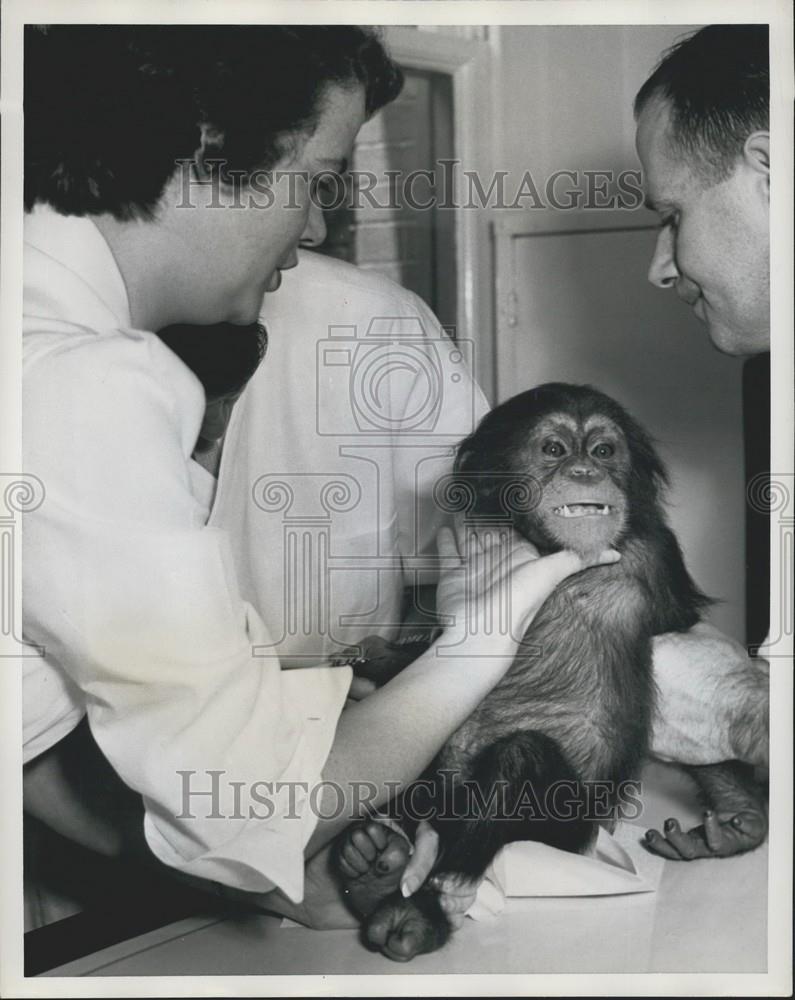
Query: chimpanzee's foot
[[402, 928], [721, 835], [370, 858]]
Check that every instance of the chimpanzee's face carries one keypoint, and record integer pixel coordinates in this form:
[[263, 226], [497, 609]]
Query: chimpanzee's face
[[581, 469]]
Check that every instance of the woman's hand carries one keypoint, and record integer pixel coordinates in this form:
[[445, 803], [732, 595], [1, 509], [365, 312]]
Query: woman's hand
[[493, 581]]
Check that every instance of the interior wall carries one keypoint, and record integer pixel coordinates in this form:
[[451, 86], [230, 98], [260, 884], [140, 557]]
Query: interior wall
[[581, 308]]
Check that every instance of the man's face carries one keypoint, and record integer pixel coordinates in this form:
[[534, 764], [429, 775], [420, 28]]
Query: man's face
[[714, 242], [233, 247]]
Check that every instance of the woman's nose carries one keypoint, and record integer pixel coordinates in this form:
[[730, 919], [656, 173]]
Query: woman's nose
[[315, 232], [663, 271]]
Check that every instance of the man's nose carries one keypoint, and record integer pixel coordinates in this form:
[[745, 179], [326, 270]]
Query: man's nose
[[663, 271], [315, 232]]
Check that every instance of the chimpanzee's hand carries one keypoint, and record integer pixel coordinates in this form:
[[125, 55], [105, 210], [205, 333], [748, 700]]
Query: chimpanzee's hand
[[721, 835], [375, 661], [456, 896]]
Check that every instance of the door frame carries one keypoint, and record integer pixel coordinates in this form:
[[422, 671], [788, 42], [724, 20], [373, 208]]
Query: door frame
[[467, 61]]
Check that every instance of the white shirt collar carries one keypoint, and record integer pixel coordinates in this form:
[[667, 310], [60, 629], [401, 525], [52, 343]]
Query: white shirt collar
[[77, 244]]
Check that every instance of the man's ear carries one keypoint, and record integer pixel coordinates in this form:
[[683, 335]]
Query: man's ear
[[756, 152]]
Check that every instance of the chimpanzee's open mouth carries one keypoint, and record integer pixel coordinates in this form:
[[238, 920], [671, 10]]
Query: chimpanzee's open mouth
[[583, 510]]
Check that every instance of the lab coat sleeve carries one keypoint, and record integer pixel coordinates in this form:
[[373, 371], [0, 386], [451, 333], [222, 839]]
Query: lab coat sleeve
[[136, 602]]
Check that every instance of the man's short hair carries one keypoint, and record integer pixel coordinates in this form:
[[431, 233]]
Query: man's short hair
[[717, 85], [111, 110]]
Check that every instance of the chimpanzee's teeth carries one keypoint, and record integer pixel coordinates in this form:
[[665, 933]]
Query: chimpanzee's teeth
[[583, 510]]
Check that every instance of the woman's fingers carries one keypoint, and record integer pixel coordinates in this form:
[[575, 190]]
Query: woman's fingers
[[426, 850], [360, 688], [534, 581], [606, 558], [446, 544], [501, 569]]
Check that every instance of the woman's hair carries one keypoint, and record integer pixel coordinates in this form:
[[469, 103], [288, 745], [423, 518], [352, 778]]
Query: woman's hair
[[223, 356], [111, 110]]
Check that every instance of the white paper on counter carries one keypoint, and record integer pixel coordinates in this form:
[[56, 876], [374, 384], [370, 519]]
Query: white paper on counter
[[617, 864]]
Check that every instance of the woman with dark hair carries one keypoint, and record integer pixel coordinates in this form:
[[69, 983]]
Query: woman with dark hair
[[169, 179]]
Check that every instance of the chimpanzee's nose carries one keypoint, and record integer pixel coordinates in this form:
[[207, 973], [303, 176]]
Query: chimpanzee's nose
[[584, 470]]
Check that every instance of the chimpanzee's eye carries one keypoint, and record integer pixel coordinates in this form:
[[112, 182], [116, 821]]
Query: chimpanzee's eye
[[553, 448], [603, 450]]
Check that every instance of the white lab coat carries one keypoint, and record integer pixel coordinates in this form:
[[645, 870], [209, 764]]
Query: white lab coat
[[135, 600]]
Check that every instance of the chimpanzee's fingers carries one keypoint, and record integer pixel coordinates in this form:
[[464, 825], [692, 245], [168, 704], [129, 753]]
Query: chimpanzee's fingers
[[712, 831], [741, 832], [659, 845], [455, 885], [752, 823], [690, 845], [376, 831], [353, 860], [456, 896]]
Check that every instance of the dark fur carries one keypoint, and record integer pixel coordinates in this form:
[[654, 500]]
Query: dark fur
[[578, 704]]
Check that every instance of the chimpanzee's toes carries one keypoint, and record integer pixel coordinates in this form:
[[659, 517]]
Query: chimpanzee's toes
[[370, 858], [400, 929]]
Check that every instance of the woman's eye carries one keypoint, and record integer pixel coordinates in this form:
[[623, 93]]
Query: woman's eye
[[329, 189], [554, 449], [603, 451]]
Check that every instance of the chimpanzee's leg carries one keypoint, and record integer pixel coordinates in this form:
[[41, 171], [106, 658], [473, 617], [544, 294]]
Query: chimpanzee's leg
[[507, 797]]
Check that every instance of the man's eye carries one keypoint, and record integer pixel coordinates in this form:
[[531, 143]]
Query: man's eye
[[553, 448], [603, 450]]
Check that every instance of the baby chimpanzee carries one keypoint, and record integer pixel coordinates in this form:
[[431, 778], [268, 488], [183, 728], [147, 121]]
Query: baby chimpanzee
[[568, 468]]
